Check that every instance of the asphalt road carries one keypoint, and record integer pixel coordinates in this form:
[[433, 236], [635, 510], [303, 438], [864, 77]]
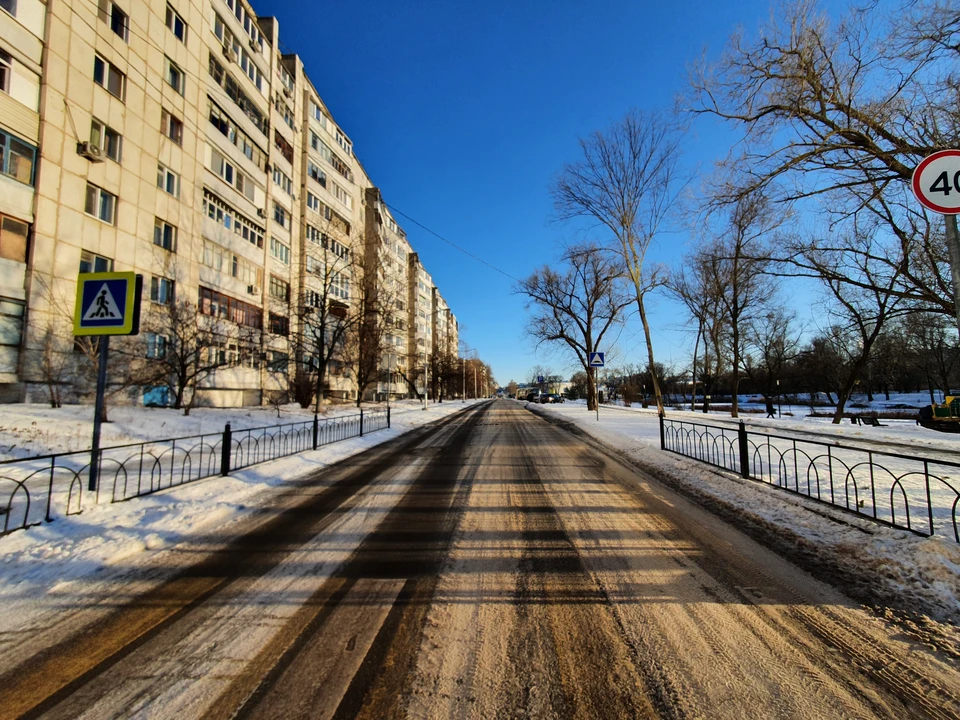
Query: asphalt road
[[492, 566]]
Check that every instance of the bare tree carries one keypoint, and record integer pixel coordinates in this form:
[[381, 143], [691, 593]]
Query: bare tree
[[186, 345], [771, 343], [577, 308], [843, 110], [627, 182]]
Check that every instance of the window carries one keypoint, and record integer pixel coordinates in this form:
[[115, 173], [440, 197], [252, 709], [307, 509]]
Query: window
[[279, 288], [230, 86], [161, 290], [10, 6], [115, 18], [107, 139], [222, 122], [316, 173], [219, 305], [314, 265], [339, 249], [317, 114], [285, 112], [101, 204], [315, 236], [13, 239], [279, 325], [176, 24], [171, 126], [279, 214], [108, 77], [218, 211], [6, 71], [94, 263], [175, 76], [344, 143], [341, 195], [340, 286], [278, 361], [280, 251], [168, 180], [285, 148], [164, 235], [17, 158], [280, 178], [156, 346], [313, 202]]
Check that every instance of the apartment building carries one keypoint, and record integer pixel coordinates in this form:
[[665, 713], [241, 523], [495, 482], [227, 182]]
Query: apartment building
[[174, 139]]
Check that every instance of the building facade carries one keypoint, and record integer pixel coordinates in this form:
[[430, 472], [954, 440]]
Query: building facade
[[174, 139]]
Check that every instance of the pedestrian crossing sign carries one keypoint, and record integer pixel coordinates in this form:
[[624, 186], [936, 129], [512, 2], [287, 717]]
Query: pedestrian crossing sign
[[108, 303], [596, 359]]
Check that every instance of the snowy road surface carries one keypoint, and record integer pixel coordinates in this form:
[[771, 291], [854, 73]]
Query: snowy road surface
[[492, 566]]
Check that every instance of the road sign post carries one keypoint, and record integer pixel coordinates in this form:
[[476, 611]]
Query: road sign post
[[595, 360], [936, 183], [107, 304]]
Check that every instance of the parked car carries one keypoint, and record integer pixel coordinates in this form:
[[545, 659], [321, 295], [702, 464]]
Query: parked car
[[555, 398], [545, 399], [533, 396]]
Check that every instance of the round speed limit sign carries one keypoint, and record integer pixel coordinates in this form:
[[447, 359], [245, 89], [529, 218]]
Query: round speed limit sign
[[936, 182]]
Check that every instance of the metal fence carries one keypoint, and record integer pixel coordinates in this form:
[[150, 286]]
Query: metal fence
[[48, 486], [909, 492]]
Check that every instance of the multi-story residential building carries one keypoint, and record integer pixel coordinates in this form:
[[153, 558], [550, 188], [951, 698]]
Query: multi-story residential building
[[22, 30], [172, 138]]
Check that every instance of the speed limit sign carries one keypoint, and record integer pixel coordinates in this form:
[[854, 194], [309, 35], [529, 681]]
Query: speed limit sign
[[936, 182]]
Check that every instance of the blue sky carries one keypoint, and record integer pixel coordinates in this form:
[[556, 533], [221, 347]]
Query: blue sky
[[463, 113]]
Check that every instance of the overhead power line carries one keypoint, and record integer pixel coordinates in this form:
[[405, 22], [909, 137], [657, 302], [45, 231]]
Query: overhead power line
[[452, 244]]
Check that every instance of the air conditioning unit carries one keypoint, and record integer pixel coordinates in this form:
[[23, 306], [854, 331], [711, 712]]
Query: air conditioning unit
[[253, 290], [229, 54], [261, 213], [91, 152], [288, 92]]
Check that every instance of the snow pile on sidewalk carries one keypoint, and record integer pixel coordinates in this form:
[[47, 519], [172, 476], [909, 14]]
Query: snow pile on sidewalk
[[867, 559], [35, 561]]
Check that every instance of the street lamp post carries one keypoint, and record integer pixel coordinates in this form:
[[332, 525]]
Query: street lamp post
[[779, 407]]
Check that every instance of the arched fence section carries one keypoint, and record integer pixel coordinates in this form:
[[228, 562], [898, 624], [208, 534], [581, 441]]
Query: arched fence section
[[914, 493], [38, 489]]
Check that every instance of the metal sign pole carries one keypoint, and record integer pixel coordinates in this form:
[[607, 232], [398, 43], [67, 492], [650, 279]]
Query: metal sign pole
[[101, 385], [953, 248]]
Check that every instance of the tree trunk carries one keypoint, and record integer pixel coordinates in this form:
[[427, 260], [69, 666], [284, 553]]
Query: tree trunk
[[653, 374]]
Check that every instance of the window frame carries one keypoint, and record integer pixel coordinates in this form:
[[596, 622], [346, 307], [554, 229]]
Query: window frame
[[6, 71], [100, 195], [166, 233], [171, 72], [164, 174], [107, 70], [171, 20], [162, 290], [8, 152], [103, 140]]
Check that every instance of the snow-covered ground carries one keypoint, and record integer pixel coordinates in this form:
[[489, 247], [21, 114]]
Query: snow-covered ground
[[38, 561], [915, 568]]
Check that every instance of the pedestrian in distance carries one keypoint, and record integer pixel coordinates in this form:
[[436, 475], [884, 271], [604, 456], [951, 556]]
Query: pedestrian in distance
[[770, 413]]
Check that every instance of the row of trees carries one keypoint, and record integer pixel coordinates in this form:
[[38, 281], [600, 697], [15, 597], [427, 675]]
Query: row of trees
[[833, 117]]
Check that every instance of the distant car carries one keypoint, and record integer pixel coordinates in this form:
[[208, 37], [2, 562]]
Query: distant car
[[533, 396], [555, 398], [511, 396], [545, 399]]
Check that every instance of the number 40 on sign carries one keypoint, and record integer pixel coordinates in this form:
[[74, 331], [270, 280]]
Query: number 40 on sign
[[936, 182]]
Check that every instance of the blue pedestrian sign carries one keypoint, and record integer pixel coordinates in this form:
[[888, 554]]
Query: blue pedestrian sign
[[108, 304], [596, 359]]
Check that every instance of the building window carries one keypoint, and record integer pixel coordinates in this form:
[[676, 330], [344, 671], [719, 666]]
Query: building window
[[279, 214], [342, 195], [171, 126], [10, 6], [17, 158], [107, 139], [313, 202], [175, 76], [236, 311], [168, 180], [176, 24], [161, 290], [316, 173], [90, 263], [101, 204], [285, 112], [279, 325], [279, 288], [278, 361], [115, 18], [280, 251], [108, 77], [231, 175], [164, 235], [285, 148], [344, 143], [280, 178], [157, 346], [13, 239], [221, 213], [222, 122], [230, 86], [6, 71]]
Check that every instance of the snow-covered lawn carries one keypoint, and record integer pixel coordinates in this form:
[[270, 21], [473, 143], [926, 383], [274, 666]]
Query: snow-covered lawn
[[927, 569]]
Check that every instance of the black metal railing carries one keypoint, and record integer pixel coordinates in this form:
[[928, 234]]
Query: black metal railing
[[909, 492], [48, 486]]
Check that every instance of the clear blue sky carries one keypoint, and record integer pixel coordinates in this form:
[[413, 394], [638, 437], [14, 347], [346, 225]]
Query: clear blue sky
[[463, 113]]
